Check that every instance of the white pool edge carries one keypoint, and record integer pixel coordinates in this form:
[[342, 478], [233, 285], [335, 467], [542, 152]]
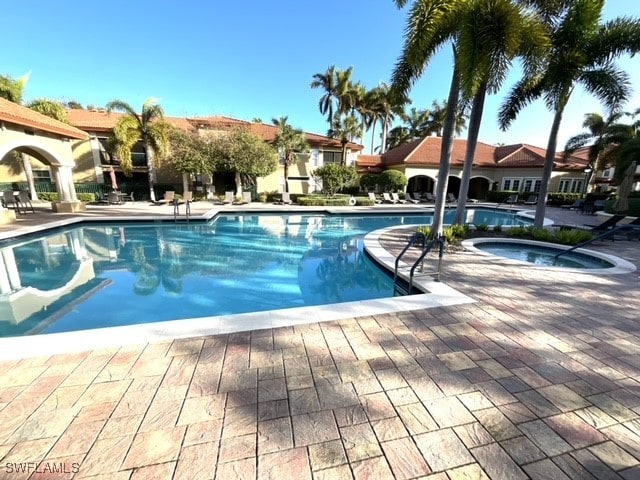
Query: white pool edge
[[621, 265], [440, 295]]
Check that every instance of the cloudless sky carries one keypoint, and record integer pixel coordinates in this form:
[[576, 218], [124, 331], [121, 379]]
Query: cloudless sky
[[244, 59]]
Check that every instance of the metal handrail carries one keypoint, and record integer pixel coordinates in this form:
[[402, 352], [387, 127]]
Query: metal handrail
[[427, 248], [176, 210], [440, 242], [602, 236], [414, 238]]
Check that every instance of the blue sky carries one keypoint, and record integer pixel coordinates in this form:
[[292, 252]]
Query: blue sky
[[242, 59]]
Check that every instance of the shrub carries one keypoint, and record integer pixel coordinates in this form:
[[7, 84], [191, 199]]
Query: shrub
[[49, 196], [364, 202], [497, 228], [499, 196], [541, 234], [424, 230], [368, 181], [459, 231], [86, 197], [335, 177], [392, 180], [482, 227], [572, 237], [557, 198]]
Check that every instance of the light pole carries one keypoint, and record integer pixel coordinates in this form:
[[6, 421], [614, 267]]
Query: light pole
[[587, 176]]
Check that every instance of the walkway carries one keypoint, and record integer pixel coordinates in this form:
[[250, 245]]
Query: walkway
[[540, 378]]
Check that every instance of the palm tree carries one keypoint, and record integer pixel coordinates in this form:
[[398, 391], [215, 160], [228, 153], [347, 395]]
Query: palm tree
[[391, 104], [149, 128], [289, 141], [438, 116], [327, 82], [346, 91], [50, 108], [581, 53], [430, 24], [492, 33], [345, 128], [602, 135], [398, 136], [11, 89]]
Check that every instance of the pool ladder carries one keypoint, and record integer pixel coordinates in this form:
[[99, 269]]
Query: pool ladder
[[176, 210], [404, 287]]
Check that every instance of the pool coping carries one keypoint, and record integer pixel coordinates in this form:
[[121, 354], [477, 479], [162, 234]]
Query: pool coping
[[621, 266], [439, 295]]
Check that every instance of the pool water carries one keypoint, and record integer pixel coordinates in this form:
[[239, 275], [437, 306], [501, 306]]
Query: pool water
[[543, 256], [100, 275]]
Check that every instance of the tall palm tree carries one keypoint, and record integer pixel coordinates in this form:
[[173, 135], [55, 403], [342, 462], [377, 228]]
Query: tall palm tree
[[391, 104], [345, 128], [327, 81], [431, 24], [345, 91], [149, 128], [491, 34], [288, 142], [582, 53], [50, 108]]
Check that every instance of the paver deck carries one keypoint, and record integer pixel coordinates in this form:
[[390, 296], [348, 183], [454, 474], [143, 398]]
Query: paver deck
[[540, 378]]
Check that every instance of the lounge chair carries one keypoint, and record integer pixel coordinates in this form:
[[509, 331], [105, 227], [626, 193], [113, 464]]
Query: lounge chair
[[246, 197], [25, 201], [372, 196], [430, 197], [412, 197], [396, 198], [606, 225], [169, 197], [631, 229], [577, 205], [531, 200], [187, 197], [511, 199], [10, 200], [451, 198], [386, 198], [228, 197], [285, 199]]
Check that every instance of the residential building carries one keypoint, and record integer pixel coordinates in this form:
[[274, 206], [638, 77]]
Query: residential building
[[516, 167]]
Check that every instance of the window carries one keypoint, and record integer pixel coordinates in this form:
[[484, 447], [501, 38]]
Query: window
[[570, 185], [41, 175], [531, 185], [332, 157], [511, 184]]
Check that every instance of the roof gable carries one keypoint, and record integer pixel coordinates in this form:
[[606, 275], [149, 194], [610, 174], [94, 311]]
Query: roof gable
[[17, 114]]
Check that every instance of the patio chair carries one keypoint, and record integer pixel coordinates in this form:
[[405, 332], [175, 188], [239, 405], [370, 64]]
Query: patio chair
[[187, 197], [429, 197], [246, 197], [25, 201], [9, 200], [531, 200], [396, 198], [606, 225], [577, 205], [286, 198], [113, 198], [372, 196], [169, 197], [386, 198], [451, 198], [228, 197], [413, 197]]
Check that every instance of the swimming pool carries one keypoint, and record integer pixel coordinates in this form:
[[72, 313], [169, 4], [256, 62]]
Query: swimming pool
[[99, 275]]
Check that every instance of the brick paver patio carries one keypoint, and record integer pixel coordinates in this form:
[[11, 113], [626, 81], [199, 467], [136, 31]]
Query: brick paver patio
[[540, 379]]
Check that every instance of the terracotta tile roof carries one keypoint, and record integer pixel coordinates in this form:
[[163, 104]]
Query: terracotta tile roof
[[101, 121], [13, 113], [369, 164], [427, 152]]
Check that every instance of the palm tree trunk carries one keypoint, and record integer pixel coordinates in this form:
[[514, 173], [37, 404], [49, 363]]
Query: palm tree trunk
[[238, 178], [373, 134], [185, 182], [446, 149], [286, 175], [152, 172], [343, 160], [548, 168], [28, 171], [385, 120], [472, 142]]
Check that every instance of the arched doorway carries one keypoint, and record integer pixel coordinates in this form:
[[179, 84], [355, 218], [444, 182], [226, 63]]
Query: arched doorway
[[453, 186], [479, 188], [421, 184]]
